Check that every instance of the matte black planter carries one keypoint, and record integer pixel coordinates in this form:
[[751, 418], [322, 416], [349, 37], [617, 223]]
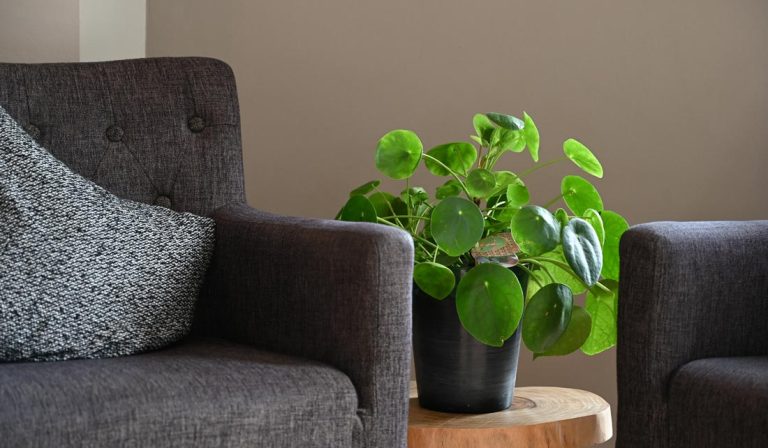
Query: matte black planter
[[455, 372]]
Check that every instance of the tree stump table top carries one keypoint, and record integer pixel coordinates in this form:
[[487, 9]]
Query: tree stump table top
[[539, 417]]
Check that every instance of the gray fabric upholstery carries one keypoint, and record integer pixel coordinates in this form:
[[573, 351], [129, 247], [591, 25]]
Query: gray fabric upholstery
[[338, 293], [203, 393], [133, 126], [720, 402], [688, 291], [83, 273], [332, 291]]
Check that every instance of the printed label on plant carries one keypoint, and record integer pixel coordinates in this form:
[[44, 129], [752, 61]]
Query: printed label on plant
[[500, 249]]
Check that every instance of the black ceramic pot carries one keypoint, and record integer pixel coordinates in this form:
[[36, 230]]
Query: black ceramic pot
[[455, 372]]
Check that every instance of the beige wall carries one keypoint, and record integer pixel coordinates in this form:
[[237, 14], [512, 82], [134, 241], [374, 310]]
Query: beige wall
[[39, 30], [672, 95], [71, 30], [112, 29]]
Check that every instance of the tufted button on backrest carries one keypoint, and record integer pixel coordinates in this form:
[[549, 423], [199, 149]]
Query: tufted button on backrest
[[196, 124], [33, 131], [163, 201], [160, 103], [115, 133]]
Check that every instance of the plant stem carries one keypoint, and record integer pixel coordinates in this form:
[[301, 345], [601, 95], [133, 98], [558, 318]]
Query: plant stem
[[417, 239], [539, 166], [530, 275], [603, 287], [557, 263], [496, 207], [480, 157], [541, 266], [389, 204], [406, 216], [565, 267], [455, 176], [554, 200]]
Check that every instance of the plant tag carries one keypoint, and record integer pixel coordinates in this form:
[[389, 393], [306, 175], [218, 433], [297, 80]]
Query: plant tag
[[500, 249]]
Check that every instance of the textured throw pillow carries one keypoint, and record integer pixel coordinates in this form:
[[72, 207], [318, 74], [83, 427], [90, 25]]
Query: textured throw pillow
[[84, 274]]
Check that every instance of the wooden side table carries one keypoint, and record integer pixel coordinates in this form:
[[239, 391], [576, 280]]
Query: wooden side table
[[539, 417]]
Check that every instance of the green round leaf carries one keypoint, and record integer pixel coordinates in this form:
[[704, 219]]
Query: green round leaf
[[456, 225], [582, 157], [365, 188], [448, 189], [504, 178], [505, 215], [459, 157], [483, 127], [594, 219], [558, 274], [546, 317], [509, 140], [416, 195], [434, 279], [535, 230], [580, 195], [517, 194], [480, 183], [387, 205], [562, 217], [531, 134], [502, 212], [398, 154], [615, 226], [506, 121], [574, 336], [582, 250], [359, 209], [603, 307], [489, 302]]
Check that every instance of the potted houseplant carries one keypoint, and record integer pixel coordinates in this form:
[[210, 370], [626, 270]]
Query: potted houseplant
[[491, 268]]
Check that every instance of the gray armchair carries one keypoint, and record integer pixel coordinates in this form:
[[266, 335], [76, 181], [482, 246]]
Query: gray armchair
[[693, 335], [302, 332]]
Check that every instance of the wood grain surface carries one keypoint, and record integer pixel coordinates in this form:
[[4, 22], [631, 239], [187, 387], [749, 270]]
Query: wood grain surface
[[539, 417]]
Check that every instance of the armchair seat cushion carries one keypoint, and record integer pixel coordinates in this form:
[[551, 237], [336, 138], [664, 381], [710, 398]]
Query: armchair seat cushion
[[201, 392], [720, 402]]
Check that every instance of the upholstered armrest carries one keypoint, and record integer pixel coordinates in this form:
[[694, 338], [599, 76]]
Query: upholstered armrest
[[687, 291], [331, 291]]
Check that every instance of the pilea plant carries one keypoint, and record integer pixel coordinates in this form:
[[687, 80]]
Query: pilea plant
[[480, 227]]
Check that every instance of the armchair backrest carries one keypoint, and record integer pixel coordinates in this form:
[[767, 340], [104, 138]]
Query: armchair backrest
[[162, 131]]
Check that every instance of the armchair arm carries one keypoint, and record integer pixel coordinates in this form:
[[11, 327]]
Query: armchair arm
[[331, 291], [687, 291]]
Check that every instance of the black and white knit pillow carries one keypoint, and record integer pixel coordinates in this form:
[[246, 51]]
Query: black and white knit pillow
[[84, 274]]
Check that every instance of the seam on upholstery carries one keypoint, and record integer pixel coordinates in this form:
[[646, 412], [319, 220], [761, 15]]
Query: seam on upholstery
[[112, 113], [189, 85], [26, 95], [141, 167], [189, 92], [105, 83], [101, 161]]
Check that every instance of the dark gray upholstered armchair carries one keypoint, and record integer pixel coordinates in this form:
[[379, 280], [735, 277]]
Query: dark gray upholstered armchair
[[302, 333], [693, 335]]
